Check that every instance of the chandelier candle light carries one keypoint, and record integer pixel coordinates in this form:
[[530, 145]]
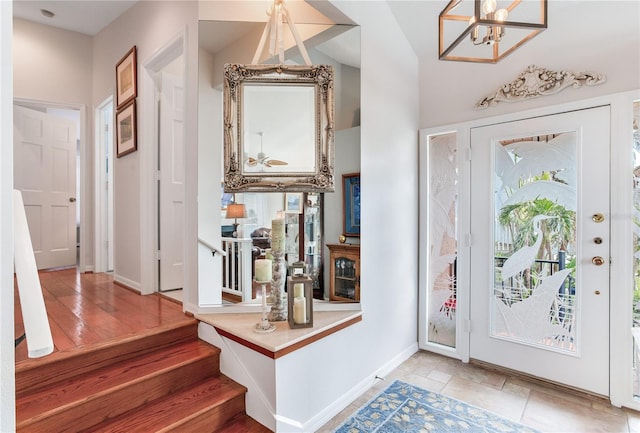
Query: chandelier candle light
[[485, 23], [263, 276]]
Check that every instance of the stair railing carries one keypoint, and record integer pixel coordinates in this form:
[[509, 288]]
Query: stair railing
[[237, 268]]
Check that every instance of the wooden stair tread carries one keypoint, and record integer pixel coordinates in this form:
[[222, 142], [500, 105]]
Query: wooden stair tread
[[34, 374], [183, 410]]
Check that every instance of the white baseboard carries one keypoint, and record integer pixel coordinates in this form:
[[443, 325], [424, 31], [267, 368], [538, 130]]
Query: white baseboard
[[336, 407], [130, 284]]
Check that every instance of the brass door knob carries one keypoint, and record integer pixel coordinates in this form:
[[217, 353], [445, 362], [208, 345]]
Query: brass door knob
[[72, 199], [597, 260], [597, 218], [597, 292], [597, 240]]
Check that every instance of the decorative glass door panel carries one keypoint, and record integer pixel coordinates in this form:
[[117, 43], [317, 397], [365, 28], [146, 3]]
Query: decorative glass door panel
[[635, 140], [442, 244], [539, 261], [535, 197]]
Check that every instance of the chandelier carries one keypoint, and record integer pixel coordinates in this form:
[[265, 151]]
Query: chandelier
[[486, 32]]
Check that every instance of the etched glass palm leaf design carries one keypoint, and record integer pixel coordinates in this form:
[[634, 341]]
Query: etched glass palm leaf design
[[443, 191], [534, 241]]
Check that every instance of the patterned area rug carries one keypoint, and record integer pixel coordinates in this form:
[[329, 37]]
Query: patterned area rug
[[406, 408]]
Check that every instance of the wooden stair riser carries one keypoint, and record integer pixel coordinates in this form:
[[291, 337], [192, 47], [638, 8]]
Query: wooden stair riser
[[40, 373], [109, 403], [211, 420], [202, 408]]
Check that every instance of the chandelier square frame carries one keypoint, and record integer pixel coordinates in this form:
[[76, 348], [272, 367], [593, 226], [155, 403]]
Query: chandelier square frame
[[494, 48]]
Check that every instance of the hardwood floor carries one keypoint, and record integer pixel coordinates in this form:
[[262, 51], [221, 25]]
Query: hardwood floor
[[86, 309]]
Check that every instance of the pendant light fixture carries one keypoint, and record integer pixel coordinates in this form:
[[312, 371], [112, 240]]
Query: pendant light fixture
[[487, 31]]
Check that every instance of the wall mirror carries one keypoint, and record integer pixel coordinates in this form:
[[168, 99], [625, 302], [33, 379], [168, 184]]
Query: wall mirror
[[320, 218], [279, 125]]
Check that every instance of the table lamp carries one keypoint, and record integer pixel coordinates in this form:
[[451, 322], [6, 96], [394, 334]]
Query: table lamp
[[235, 211]]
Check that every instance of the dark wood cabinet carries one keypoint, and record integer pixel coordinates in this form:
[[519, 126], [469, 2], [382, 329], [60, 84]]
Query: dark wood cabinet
[[344, 261]]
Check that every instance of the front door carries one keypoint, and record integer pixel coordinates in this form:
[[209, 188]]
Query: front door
[[540, 247], [44, 170]]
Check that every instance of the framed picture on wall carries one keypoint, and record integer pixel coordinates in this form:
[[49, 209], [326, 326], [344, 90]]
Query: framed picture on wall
[[126, 79], [293, 202], [126, 135], [351, 204]]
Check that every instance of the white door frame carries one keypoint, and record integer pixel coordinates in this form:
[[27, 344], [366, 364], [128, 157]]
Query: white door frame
[[151, 68], [84, 194], [103, 196], [621, 348]]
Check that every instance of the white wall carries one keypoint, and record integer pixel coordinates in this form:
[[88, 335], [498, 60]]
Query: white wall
[[309, 389], [54, 66], [389, 176], [600, 36], [209, 177], [7, 353], [149, 25]]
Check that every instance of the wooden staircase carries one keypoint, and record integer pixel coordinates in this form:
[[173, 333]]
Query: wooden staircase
[[164, 379]]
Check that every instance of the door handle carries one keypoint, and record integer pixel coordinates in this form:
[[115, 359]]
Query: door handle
[[597, 260], [72, 199], [597, 218]]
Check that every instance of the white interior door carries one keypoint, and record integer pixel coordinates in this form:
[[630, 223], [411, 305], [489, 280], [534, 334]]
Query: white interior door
[[171, 183], [539, 254], [45, 173]]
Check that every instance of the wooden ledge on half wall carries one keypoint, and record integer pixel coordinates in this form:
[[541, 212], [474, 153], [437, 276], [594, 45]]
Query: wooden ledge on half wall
[[239, 327]]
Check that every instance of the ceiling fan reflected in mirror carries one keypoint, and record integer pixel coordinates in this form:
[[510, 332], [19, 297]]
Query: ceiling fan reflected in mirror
[[262, 160]]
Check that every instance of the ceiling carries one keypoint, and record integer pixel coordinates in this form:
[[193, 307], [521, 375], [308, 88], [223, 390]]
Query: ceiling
[[87, 17], [417, 19]]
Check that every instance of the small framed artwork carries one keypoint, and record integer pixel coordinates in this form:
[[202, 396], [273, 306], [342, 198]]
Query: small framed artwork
[[293, 202], [351, 204], [126, 135], [126, 79]]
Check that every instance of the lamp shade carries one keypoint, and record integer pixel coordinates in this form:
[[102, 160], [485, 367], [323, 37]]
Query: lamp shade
[[236, 210]]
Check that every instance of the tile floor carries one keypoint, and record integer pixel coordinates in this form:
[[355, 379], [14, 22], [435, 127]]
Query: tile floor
[[538, 405]]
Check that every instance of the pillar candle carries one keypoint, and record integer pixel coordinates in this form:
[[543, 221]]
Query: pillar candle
[[263, 270], [298, 290], [299, 310], [277, 235]]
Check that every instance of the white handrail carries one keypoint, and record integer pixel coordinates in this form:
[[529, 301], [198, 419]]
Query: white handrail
[[213, 249], [34, 311]]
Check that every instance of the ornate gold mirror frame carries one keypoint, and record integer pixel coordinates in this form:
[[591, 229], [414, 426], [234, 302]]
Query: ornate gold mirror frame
[[289, 109]]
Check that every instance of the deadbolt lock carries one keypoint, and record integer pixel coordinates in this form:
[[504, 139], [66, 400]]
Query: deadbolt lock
[[597, 292], [597, 260], [597, 240], [597, 218]]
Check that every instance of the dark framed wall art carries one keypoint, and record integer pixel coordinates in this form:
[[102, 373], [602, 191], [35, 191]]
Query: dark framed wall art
[[126, 79], [351, 204], [126, 129]]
